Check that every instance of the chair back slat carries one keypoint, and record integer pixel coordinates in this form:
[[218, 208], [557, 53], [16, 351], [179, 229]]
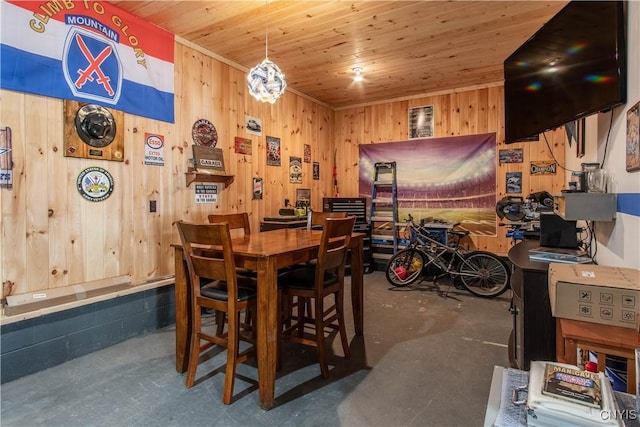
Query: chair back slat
[[315, 220], [209, 264], [236, 221], [335, 241]]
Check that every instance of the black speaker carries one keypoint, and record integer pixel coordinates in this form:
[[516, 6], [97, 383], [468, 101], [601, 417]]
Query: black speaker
[[555, 232]]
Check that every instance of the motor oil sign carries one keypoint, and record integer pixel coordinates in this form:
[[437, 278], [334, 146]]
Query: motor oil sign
[[153, 149], [206, 193]]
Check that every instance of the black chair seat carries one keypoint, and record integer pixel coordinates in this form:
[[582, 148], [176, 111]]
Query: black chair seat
[[245, 272], [304, 278], [218, 290]]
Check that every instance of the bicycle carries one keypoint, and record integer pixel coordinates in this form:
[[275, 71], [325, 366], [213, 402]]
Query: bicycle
[[481, 273]]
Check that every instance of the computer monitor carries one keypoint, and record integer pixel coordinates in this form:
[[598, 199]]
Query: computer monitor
[[555, 232]]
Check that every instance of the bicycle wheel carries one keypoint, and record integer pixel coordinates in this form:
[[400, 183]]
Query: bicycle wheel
[[404, 267], [484, 274]]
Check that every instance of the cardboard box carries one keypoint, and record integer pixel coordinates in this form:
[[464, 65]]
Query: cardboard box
[[595, 293]]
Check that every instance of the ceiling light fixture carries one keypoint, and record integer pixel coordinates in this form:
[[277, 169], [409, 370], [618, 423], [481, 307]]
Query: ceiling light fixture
[[358, 77], [265, 81]]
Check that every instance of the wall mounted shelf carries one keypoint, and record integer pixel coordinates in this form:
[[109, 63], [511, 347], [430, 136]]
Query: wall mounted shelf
[[194, 176], [585, 206]]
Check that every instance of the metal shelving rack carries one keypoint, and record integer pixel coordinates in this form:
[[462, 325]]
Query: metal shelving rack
[[384, 213]]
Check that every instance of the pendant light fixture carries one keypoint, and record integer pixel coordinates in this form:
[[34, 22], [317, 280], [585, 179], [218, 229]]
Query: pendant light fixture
[[265, 81]]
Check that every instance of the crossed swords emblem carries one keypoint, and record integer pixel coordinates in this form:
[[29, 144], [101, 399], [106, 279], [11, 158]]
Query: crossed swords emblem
[[94, 67]]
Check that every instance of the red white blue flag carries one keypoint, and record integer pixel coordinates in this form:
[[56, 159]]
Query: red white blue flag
[[88, 51]]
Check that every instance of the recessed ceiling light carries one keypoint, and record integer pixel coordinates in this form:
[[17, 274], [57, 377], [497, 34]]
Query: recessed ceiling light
[[358, 74]]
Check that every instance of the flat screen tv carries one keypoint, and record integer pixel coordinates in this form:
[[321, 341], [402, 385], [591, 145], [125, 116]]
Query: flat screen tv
[[574, 66]]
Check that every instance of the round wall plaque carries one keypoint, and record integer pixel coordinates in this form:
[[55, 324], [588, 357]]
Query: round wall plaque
[[204, 133], [95, 184], [95, 125]]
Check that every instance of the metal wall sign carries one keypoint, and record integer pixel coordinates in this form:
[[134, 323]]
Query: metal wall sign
[[204, 133], [153, 149], [6, 158], [95, 184], [206, 193], [543, 168]]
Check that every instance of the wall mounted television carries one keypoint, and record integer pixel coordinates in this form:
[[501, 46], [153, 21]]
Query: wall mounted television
[[574, 66]]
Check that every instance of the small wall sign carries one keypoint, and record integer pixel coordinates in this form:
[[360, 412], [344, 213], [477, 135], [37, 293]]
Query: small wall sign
[[95, 184], [206, 193], [6, 158], [543, 168], [153, 149], [204, 133]]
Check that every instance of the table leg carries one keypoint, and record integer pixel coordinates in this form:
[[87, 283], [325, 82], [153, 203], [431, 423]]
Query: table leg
[[357, 284], [183, 316], [267, 340]]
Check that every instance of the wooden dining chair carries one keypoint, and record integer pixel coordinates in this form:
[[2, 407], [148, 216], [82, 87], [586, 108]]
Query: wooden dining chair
[[315, 220], [239, 225], [224, 291], [237, 221], [314, 283]]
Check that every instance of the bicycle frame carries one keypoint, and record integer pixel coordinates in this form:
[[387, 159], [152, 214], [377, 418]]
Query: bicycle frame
[[434, 250], [481, 273]]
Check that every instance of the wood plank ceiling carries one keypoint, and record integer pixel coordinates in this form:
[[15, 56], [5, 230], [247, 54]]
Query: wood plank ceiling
[[405, 48]]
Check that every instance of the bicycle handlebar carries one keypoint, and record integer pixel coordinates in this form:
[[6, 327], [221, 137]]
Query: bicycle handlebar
[[422, 221]]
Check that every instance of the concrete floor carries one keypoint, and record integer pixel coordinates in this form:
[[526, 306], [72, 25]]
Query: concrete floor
[[425, 360]]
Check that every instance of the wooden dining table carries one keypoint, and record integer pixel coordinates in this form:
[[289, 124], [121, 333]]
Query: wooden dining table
[[266, 253]]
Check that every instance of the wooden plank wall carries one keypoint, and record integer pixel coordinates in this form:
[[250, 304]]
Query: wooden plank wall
[[52, 237], [468, 112]]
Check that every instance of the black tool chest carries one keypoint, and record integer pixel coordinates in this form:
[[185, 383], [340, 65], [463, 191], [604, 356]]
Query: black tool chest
[[354, 206]]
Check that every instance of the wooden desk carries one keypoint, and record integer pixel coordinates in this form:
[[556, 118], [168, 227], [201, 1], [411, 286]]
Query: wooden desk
[[603, 339], [266, 252]]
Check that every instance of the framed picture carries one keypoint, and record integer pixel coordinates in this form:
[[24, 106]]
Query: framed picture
[[253, 125], [316, 171], [514, 182], [514, 155], [580, 138], [633, 138], [421, 122], [303, 196]]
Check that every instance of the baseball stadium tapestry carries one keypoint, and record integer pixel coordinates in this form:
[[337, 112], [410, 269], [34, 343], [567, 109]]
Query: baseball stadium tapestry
[[451, 179]]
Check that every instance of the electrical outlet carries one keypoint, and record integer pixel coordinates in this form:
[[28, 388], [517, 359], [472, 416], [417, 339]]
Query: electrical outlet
[[153, 206]]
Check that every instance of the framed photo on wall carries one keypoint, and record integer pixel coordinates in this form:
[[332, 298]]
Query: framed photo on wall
[[633, 138], [514, 155], [253, 125], [421, 122], [514, 182]]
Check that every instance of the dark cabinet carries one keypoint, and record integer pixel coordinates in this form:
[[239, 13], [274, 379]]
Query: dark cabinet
[[534, 334]]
